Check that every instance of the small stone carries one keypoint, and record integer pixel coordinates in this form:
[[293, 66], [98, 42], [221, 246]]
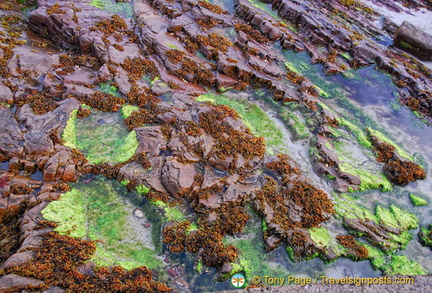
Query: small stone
[[138, 213]]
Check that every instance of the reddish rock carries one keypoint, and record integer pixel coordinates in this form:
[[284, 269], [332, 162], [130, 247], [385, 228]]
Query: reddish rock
[[13, 283], [177, 178]]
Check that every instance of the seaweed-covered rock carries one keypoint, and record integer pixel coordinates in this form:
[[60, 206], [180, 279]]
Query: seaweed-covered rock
[[413, 40]]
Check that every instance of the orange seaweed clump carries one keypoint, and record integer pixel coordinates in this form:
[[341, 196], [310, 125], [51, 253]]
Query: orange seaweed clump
[[55, 9], [252, 33], [404, 172], [83, 112], [38, 102], [138, 119], [109, 26], [231, 218], [214, 252], [295, 203], [213, 8], [175, 56], [398, 170], [315, 202], [219, 43], [104, 102], [356, 251], [137, 67], [175, 236], [78, 60], [57, 260], [229, 141], [145, 99]]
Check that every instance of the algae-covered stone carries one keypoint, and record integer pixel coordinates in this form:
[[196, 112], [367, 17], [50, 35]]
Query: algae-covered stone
[[425, 236], [95, 210], [69, 132], [68, 212], [127, 110], [417, 200], [386, 229]]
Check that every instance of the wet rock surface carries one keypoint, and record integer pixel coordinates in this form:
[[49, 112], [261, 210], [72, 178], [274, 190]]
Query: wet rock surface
[[201, 157]]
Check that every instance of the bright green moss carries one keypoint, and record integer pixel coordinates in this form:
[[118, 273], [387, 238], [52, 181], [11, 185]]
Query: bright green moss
[[320, 236], [405, 45], [95, 210], [109, 89], [68, 212], [142, 189], [349, 163], [294, 123], [425, 240], [69, 132], [397, 218], [400, 264], [252, 259], [127, 110], [417, 200], [357, 132], [171, 213], [127, 149], [125, 182]]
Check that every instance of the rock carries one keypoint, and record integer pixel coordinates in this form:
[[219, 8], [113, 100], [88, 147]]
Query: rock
[[11, 137], [138, 213], [413, 40], [60, 167], [54, 289], [6, 95], [151, 140], [13, 283], [177, 178], [18, 259], [38, 143]]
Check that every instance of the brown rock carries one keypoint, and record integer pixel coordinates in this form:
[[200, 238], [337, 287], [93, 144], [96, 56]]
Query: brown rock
[[13, 283], [177, 178]]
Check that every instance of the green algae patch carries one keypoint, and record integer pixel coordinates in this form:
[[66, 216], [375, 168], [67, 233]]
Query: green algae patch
[[359, 162], [417, 200], [376, 257], [252, 259], [96, 211], [103, 138], [69, 132], [109, 89], [357, 132], [425, 236], [124, 9], [348, 208], [253, 117], [141, 189], [320, 236], [400, 264], [397, 218], [295, 124], [127, 110], [170, 213], [393, 264], [68, 213]]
